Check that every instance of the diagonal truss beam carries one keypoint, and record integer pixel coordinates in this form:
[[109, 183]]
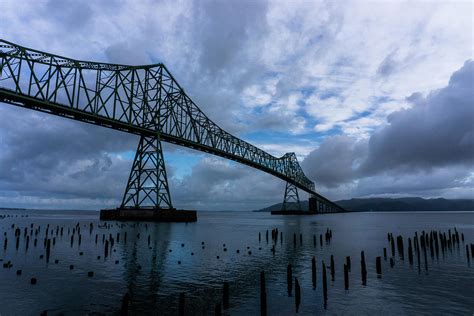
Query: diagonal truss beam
[[144, 100]]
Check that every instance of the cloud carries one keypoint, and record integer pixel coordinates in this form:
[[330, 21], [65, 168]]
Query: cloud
[[47, 157], [218, 184], [428, 144], [436, 131]]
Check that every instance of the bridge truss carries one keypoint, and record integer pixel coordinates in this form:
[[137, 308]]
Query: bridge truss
[[144, 100]]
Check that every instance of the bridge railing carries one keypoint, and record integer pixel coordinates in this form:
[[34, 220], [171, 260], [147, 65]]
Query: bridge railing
[[136, 99]]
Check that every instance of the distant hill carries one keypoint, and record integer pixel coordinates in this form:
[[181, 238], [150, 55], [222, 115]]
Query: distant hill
[[389, 204]]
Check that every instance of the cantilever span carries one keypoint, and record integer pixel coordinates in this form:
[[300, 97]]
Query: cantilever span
[[144, 100]]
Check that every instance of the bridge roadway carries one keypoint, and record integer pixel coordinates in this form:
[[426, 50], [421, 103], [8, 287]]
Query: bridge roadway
[[143, 100]]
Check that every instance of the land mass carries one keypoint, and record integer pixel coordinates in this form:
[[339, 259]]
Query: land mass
[[412, 204]]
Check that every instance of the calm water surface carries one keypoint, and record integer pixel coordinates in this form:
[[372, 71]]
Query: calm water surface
[[153, 276]]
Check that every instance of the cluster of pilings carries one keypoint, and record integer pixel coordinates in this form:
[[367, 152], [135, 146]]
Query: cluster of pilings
[[433, 244]]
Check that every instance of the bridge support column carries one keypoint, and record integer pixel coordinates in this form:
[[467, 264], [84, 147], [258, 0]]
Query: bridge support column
[[313, 204], [148, 184], [147, 196], [291, 202]]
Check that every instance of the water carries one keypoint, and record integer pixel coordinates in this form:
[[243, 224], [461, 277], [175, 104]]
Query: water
[[154, 279]]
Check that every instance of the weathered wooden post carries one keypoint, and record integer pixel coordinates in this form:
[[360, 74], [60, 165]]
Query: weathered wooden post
[[106, 249], [392, 245], [225, 296], [410, 252], [378, 266], [363, 268], [289, 279], [467, 254], [333, 273], [346, 277], [218, 310], [313, 272], [263, 295], [297, 294], [325, 283], [124, 308]]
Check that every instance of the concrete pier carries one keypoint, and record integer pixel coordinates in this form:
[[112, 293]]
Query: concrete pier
[[153, 215]]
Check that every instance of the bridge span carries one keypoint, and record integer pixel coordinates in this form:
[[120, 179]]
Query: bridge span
[[144, 100]]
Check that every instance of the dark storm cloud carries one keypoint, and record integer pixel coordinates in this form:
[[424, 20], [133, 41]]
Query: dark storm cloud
[[42, 154], [335, 161], [436, 133]]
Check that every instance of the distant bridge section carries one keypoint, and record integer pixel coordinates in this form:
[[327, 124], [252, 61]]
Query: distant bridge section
[[143, 100]]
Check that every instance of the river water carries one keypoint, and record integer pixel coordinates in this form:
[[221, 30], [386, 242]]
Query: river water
[[175, 261]]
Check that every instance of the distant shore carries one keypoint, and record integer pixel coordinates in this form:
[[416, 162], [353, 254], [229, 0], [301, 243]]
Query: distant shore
[[415, 204]]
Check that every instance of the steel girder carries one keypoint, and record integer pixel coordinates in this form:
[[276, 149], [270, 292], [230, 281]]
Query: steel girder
[[144, 100]]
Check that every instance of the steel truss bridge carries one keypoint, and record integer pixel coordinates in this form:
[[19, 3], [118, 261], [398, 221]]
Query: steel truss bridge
[[143, 100]]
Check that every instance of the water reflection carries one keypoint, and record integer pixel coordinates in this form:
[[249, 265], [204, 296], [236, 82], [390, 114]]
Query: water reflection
[[153, 276]]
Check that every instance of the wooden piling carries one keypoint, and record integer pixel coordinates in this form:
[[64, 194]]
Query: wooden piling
[[48, 249], [417, 246], [467, 254], [392, 245], [363, 268], [348, 263], [325, 283], [313, 272], [346, 277], [410, 252], [378, 266], [263, 295], [297, 294], [333, 273], [106, 249], [218, 310], [289, 279], [225, 296], [181, 304]]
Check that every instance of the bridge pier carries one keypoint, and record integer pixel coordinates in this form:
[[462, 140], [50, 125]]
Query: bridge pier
[[291, 203], [147, 196]]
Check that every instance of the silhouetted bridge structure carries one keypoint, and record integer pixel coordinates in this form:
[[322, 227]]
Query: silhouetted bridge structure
[[146, 101]]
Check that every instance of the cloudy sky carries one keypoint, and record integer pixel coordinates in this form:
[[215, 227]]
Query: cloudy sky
[[375, 98]]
